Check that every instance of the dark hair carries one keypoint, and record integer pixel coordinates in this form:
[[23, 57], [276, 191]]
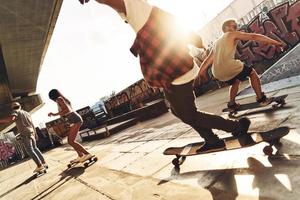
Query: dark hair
[[54, 94]]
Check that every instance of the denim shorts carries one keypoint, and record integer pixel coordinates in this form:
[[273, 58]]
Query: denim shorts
[[243, 75], [73, 118]]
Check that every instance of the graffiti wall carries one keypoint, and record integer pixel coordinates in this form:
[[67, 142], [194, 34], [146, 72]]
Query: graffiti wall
[[281, 23], [131, 98]]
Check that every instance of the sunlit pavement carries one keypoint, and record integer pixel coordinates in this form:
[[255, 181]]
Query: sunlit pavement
[[131, 164]]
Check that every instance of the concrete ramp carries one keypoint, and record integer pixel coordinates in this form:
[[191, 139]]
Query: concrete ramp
[[283, 74]]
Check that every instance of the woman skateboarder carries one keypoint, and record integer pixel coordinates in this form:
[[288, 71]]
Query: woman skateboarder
[[162, 47], [66, 112], [230, 70], [28, 134]]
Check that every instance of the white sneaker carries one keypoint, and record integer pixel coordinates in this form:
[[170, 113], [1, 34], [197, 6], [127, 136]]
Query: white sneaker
[[46, 165], [86, 157], [76, 160], [39, 169]]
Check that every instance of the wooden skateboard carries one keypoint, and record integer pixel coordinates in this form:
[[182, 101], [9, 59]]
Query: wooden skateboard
[[86, 162], [40, 173], [276, 102], [271, 137]]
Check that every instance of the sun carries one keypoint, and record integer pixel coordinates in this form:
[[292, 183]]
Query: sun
[[187, 12]]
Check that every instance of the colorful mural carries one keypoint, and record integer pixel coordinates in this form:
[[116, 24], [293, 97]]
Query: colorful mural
[[281, 23], [131, 98]]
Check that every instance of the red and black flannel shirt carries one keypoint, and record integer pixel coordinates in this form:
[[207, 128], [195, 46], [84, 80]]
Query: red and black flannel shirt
[[162, 49]]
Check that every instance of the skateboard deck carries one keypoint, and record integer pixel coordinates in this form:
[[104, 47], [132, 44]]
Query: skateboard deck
[[272, 137], [86, 162], [40, 173], [277, 101]]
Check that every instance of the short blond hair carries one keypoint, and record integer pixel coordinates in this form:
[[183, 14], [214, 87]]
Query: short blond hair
[[227, 22]]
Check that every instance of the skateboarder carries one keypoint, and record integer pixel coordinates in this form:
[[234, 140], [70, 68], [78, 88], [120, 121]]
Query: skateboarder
[[28, 134], [74, 119], [165, 62], [230, 70]]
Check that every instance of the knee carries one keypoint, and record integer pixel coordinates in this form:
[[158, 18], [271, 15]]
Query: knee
[[188, 117], [253, 74], [71, 141], [236, 83]]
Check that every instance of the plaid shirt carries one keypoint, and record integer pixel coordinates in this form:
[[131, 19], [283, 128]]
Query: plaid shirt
[[163, 51]]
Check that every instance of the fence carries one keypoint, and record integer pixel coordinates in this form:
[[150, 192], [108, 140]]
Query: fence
[[11, 149]]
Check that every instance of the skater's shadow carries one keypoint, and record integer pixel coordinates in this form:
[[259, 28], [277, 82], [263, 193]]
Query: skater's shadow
[[65, 176], [222, 182], [28, 180], [268, 112]]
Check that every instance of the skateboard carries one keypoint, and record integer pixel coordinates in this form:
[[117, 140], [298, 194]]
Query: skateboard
[[271, 137], [86, 162], [40, 173], [276, 102]]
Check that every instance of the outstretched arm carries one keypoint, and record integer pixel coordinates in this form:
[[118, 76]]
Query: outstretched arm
[[64, 108], [206, 63], [256, 37], [202, 75]]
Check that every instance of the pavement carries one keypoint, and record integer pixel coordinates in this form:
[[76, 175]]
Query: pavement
[[131, 165]]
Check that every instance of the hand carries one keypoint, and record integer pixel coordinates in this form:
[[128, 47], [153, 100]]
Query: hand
[[201, 78], [83, 1], [280, 46]]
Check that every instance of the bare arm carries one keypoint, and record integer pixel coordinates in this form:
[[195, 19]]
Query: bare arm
[[202, 77], [64, 108], [117, 5], [255, 37], [206, 63], [8, 119]]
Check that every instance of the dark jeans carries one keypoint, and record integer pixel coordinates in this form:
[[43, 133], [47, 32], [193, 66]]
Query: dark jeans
[[182, 101]]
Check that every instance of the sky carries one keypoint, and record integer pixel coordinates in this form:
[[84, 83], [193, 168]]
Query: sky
[[88, 56]]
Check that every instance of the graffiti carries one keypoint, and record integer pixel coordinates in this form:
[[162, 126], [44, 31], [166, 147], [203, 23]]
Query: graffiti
[[282, 23], [132, 97]]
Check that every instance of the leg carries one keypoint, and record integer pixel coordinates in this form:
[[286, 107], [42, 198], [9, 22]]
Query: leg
[[233, 90], [181, 98], [255, 83], [71, 140], [28, 144], [37, 151]]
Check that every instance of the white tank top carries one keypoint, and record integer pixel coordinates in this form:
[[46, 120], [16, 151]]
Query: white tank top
[[225, 66]]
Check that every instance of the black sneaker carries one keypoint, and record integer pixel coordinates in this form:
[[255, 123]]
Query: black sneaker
[[264, 101], [242, 132], [233, 105], [207, 147], [243, 127]]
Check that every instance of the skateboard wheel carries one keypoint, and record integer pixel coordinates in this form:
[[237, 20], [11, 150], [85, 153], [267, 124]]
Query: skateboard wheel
[[274, 106], [86, 164], [175, 162], [69, 165], [277, 142], [268, 150], [95, 159], [181, 160]]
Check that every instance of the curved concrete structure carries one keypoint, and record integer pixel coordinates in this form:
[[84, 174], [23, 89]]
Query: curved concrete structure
[[26, 27]]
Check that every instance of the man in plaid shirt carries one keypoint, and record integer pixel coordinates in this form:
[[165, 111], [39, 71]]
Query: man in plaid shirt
[[165, 62]]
